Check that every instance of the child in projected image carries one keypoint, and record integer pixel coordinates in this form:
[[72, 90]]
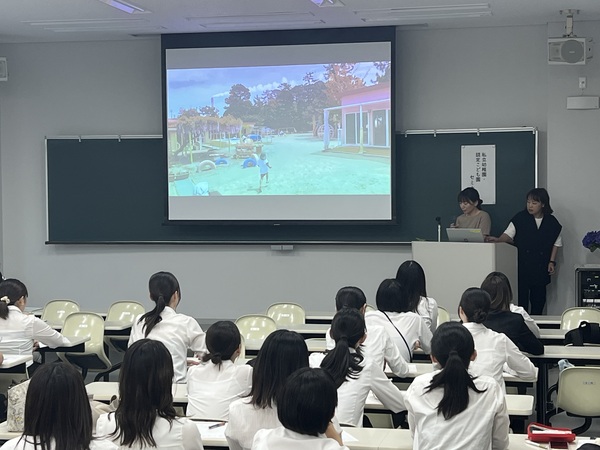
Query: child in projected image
[[263, 164]]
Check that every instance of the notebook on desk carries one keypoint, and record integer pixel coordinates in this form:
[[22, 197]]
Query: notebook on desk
[[464, 235]]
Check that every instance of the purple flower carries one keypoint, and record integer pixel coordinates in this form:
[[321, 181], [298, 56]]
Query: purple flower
[[591, 240]]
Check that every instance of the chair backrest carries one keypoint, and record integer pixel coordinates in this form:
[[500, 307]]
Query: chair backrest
[[286, 313], [578, 391], [124, 311], [83, 324], [572, 317], [370, 308], [56, 311], [443, 316], [255, 326]]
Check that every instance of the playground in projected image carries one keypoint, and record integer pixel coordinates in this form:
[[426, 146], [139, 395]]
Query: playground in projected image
[[286, 130]]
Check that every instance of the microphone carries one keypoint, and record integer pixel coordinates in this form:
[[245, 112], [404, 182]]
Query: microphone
[[438, 219]]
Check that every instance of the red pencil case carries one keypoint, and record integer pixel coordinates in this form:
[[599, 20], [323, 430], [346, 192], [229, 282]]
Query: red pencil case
[[536, 432]]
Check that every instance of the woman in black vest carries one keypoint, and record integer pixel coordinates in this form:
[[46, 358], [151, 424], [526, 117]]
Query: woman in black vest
[[536, 234]]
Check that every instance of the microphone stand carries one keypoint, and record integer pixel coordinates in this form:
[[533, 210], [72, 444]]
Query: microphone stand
[[439, 226]]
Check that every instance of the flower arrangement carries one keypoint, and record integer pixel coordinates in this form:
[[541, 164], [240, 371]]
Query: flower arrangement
[[591, 240]]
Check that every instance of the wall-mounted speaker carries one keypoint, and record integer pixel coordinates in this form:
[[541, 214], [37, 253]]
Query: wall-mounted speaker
[[569, 50], [3, 69]]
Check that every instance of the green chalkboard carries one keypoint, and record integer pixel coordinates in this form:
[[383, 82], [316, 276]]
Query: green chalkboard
[[111, 190]]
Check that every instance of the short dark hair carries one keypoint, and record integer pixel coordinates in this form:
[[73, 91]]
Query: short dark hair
[[307, 403], [145, 392], [222, 340], [391, 296], [13, 289], [541, 195], [470, 195], [350, 297], [282, 353], [162, 286], [497, 285], [475, 303], [57, 409]]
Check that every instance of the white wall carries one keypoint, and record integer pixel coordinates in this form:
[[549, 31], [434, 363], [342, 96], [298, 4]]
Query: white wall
[[448, 79]]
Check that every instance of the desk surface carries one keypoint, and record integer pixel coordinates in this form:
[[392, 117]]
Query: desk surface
[[14, 362], [554, 352], [74, 341]]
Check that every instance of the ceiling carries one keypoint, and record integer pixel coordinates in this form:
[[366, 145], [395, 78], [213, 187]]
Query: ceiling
[[77, 20]]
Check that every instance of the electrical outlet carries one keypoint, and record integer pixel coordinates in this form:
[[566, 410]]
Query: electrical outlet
[[582, 82]]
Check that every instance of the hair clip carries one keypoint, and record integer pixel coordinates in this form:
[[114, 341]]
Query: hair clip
[[5, 299]]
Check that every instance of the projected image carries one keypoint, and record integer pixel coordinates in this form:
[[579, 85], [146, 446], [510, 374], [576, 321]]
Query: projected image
[[293, 130]]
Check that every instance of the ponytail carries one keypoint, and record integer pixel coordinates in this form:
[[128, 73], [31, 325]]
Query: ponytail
[[222, 341], [347, 329], [11, 290], [162, 286], [452, 345]]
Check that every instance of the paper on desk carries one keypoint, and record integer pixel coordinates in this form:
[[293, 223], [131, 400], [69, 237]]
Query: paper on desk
[[215, 433], [583, 440], [412, 368], [347, 437]]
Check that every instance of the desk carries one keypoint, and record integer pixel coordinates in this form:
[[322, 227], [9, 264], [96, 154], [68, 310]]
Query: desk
[[552, 336], [114, 328], [544, 321], [309, 330], [103, 391], [77, 345], [15, 363], [552, 354]]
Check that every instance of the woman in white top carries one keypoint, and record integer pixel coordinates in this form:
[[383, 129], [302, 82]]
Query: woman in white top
[[449, 409], [57, 413], [353, 375], [378, 344], [18, 330], [282, 353], [145, 417], [218, 381], [494, 350], [306, 407], [177, 331], [411, 277], [396, 314]]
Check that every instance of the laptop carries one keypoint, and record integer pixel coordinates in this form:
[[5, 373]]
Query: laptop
[[465, 234]]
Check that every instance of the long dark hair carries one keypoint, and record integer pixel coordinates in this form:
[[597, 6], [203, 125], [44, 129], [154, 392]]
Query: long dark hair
[[475, 303], [222, 340], [282, 353], [12, 290], [411, 277], [347, 329], [497, 285], [57, 410], [162, 286], [391, 296], [452, 346], [145, 383]]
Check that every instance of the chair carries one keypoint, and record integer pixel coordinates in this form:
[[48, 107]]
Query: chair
[[122, 312], [443, 316], [285, 314], [83, 324], [254, 328], [572, 317], [56, 311], [370, 308], [578, 394]]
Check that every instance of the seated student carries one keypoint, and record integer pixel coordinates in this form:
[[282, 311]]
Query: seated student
[[18, 330], [378, 344], [411, 276], [306, 406], [397, 315], [449, 408], [177, 332], [494, 350], [57, 413], [282, 353], [145, 417], [218, 381], [498, 286], [502, 320], [353, 375]]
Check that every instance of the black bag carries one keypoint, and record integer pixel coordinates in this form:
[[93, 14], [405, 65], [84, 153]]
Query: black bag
[[586, 333]]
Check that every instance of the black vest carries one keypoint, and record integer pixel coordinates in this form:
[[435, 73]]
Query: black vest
[[535, 247]]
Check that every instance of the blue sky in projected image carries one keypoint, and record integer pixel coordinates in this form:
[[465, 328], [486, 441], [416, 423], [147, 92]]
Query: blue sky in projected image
[[193, 88]]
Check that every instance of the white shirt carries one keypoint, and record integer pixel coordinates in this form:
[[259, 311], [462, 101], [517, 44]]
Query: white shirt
[[428, 310], [282, 438], [18, 444], [182, 434], [212, 388], [245, 420], [179, 333], [482, 426], [493, 351], [528, 320], [352, 394], [410, 324], [379, 347], [19, 330], [511, 231]]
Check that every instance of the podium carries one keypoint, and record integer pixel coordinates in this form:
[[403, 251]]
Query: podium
[[452, 267]]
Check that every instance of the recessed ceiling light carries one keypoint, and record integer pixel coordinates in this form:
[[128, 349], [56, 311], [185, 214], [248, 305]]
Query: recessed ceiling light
[[123, 6]]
